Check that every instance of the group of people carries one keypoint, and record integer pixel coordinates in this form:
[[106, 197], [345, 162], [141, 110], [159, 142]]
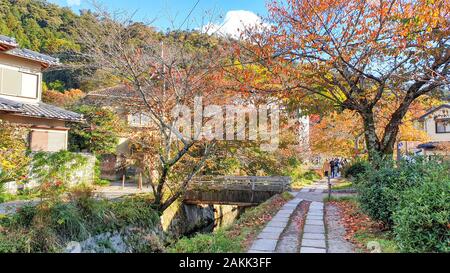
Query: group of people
[[334, 167]]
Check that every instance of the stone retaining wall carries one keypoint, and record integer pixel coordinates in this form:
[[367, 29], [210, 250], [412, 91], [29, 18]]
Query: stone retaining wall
[[85, 174]]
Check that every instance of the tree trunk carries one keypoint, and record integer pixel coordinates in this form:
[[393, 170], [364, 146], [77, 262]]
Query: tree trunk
[[370, 134], [393, 127], [159, 189], [385, 147]]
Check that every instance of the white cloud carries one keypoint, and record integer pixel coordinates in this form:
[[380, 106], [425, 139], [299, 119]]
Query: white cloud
[[73, 2], [234, 23]]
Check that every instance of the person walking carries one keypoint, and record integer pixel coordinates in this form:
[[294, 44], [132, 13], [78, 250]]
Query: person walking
[[337, 166], [332, 167], [326, 168]]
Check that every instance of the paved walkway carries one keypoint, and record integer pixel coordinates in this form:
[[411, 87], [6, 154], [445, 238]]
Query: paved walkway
[[115, 190], [313, 238], [279, 234], [267, 240], [336, 232]]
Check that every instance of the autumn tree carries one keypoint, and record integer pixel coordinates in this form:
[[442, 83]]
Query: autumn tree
[[13, 153], [164, 73], [66, 98], [355, 54], [99, 133]]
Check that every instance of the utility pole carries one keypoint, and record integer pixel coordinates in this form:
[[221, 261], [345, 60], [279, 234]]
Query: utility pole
[[163, 70]]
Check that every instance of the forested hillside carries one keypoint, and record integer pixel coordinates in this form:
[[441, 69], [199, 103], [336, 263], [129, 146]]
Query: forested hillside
[[48, 28], [51, 29], [38, 25]]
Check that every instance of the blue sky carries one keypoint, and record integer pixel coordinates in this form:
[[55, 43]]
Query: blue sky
[[177, 10]]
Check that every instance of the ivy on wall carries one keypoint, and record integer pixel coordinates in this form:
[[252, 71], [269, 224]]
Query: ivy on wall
[[53, 171]]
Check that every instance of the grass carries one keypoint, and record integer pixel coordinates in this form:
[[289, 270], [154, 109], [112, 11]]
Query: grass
[[50, 225], [102, 182], [383, 239], [342, 185], [301, 178], [24, 195], [333, 198], [366, 234], [236, 238]]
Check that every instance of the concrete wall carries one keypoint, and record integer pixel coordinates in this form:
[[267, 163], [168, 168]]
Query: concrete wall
[[28, 121], [56, 128], [83, 175]]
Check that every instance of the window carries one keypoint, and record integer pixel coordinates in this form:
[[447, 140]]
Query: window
[[48, 141], [442, 126], [29, 85], [19, 84], [12, 82], [57, 141]]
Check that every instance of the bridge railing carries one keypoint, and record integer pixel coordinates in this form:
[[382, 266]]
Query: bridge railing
[[244, 183]]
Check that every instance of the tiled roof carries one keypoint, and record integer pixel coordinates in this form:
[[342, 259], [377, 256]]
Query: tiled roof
[[118, 91], [39, 110], [433, 110], [10, 47], [33, 55], [433, 145], [9, 105], [8, 41]]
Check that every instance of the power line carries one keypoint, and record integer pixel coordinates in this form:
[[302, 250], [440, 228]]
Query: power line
[[190, 12]]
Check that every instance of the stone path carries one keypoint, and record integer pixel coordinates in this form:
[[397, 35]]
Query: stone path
[[115, 190], [12, 206], [289, 240], [280, 234], [267, 240], [313, 239]]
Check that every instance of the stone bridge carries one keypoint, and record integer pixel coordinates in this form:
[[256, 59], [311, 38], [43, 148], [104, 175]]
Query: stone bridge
[[235, 190]]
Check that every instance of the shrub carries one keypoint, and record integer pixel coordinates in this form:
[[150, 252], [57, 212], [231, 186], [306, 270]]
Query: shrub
[[381, 188], [54, 170], [14, 242], [421, 223], [14, 159], [49, 226], [68, 222], [355, 169]]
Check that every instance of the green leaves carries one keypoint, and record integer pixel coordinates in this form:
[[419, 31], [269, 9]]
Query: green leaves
[[421, 222], [381, 189], [100, 133]]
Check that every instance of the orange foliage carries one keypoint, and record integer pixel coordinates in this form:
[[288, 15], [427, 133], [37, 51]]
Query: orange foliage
[[69, 97], [374, 58]]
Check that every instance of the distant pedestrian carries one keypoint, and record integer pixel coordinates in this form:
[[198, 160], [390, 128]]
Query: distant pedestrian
[[333, 168], [326, 168], [337, 166]]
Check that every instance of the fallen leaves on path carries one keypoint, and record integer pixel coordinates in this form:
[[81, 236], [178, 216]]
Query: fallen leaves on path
[[355, 221], [301, 215], [257, 218]]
